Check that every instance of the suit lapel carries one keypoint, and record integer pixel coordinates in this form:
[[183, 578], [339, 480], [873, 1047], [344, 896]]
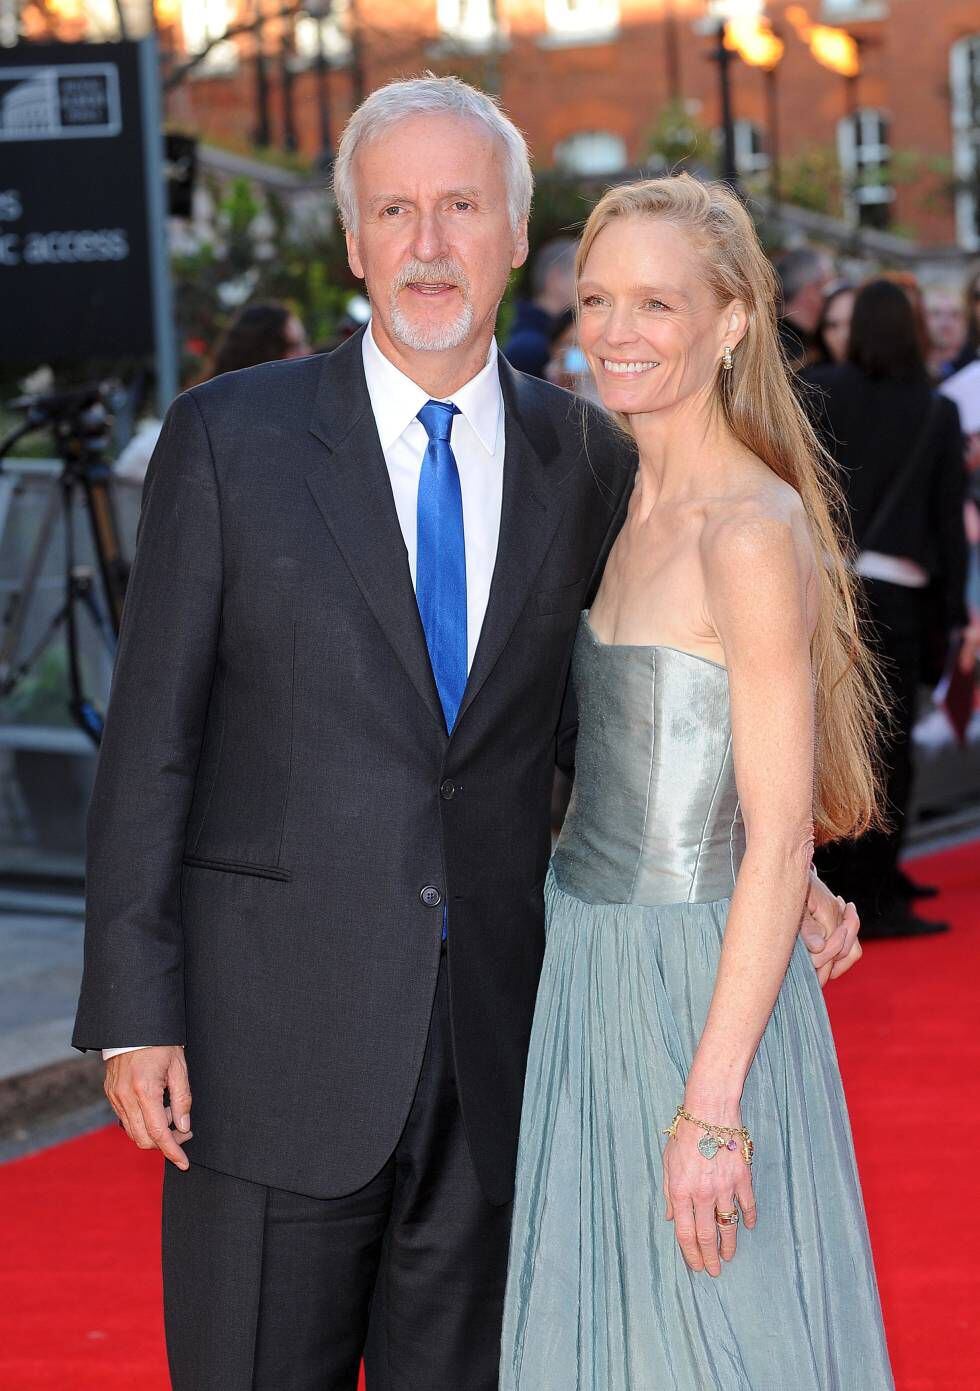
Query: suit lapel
[[531, 508], [352, 491]]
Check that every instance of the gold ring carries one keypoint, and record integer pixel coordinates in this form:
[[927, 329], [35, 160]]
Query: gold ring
[[727, 1219]]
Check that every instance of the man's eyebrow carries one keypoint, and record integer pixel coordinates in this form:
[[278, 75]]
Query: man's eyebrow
[[382, 200]]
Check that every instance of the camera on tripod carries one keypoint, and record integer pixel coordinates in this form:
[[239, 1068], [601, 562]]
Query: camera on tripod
[[79, 421]]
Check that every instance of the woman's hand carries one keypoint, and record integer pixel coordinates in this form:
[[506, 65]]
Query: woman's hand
[[695, 1188]]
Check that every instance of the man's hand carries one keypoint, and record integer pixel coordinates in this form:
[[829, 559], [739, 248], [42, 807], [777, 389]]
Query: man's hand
[[830, 932], [135, 1083]]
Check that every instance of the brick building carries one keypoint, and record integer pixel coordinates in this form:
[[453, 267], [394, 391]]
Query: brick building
[[589, 81]]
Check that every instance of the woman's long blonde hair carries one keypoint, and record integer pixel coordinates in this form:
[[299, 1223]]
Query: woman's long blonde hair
[[761, 408]]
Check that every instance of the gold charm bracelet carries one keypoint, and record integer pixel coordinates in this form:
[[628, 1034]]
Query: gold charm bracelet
[[716, 1137]]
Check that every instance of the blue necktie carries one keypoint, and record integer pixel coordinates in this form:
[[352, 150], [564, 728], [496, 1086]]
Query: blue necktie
[[440, 569]]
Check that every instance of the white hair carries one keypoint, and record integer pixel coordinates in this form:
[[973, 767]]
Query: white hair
[[430, 95]]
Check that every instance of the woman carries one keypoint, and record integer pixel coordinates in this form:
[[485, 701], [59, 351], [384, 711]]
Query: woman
[[900, 452], [725, 707], [970, 350], [834, 327], [263, 332]]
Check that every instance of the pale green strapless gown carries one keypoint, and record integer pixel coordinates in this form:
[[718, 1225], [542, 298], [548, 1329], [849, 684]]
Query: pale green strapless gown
[[598, 1295]]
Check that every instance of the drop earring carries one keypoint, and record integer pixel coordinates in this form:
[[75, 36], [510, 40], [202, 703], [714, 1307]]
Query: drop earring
[[727, 360]]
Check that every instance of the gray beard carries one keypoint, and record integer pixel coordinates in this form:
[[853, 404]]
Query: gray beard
[[440, 340]]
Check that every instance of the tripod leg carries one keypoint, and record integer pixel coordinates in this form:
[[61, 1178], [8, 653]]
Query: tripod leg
[[20, 600]]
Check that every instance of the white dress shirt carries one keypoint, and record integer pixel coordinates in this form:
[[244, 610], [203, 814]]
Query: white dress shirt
[[477, 441]]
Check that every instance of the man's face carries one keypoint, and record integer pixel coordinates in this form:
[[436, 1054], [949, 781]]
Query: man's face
[[434, 242], [946, 321]]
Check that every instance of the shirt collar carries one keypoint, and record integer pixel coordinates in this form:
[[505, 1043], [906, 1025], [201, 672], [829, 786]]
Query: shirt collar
[[396, 400]]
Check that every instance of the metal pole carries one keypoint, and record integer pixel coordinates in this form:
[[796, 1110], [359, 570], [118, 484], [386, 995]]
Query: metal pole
[[723, 57], [164, 333], [262, 135], [772, 109], [323, 95], [672, 54], [289, 138]]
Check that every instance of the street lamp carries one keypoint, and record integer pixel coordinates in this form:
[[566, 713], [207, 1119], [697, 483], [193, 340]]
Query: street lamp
[[758, 45], [724, 57], [836, 50], [319, 12], [262, 134]]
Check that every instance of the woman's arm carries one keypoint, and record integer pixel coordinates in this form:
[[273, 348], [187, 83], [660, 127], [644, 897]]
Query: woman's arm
[[757, 576]]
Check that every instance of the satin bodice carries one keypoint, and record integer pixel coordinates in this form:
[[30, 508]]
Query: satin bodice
[[654, 816]]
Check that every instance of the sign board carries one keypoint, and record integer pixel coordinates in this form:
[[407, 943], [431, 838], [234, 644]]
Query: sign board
[[82, 240]]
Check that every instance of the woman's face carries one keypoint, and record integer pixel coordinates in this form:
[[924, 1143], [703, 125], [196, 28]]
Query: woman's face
[[837, 324], [649, 325], [295, 342]]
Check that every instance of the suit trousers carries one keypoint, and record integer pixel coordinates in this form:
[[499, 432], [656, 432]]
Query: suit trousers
[[267, 1290]]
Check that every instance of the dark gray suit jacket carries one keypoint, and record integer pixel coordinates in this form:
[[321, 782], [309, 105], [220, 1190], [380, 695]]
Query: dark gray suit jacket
[[279, 813]]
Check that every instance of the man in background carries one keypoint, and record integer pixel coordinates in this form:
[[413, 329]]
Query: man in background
[[529, 346], [946, 325], [804, 274]]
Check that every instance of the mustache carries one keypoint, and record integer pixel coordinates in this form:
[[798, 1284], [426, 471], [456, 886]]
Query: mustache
[[442, 272]]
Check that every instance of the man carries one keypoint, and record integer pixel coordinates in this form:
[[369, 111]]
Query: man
[[530, 344], [946, 325], [320, 830], [804, 273]]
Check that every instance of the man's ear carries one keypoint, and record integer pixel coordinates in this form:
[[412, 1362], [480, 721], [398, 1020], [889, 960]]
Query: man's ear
[[353, 255], [520, 247]]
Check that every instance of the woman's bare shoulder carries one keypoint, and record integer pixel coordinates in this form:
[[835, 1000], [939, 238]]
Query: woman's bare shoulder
[[763, 522]]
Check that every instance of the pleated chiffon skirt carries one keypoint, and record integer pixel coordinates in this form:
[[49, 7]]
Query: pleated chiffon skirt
[[599, 1297]]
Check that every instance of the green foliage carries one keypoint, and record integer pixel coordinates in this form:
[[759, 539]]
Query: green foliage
[[41, 697], [679, 139], [255, 255], [811, 179]]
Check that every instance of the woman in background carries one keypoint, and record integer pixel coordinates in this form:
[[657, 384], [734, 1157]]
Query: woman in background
[[900, 455], [834, 327], [262, 332]]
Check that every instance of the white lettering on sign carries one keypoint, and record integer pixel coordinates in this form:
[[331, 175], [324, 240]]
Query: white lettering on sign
[[45, 248], [63, 248], [11, 207]]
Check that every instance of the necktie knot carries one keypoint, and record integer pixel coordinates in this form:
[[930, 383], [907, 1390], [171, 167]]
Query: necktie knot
[[437, 419]]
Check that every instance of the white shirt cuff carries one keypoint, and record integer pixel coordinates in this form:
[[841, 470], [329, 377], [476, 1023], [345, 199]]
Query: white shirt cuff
[[108, 1053]]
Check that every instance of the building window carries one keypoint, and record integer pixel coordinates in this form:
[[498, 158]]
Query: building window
[[751, 155], [591, 153], [864, 153], [203, 21], [311, 30], [840, 11], [469, 23], [572, 20], [965, 86]]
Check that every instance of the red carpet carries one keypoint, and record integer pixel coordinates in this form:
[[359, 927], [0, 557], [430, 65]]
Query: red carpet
[[79, 1265]]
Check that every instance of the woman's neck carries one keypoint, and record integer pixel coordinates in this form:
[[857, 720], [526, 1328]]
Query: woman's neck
[[684, 453]]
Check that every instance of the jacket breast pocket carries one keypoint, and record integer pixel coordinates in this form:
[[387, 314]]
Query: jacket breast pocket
[[567, 598]]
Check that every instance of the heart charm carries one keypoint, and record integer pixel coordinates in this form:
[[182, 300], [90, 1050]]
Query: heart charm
[[709, 1145]]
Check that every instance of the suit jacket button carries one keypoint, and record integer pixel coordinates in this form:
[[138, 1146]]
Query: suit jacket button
[[431, 896], [447, 790]]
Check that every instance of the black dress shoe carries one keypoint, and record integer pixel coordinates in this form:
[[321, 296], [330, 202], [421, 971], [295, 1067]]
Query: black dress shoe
[[910, 888], [899, 922]]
